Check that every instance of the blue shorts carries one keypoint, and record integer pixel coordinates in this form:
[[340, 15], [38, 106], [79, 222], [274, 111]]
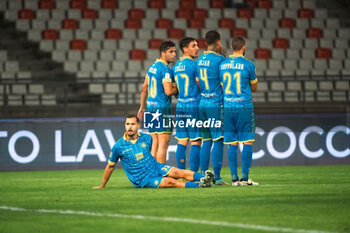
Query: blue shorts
[[187, 114], [160, 125], [154, 180], [239, 124], [213, 111]]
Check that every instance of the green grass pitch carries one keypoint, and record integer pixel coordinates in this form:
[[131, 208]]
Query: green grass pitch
[[289, 199]]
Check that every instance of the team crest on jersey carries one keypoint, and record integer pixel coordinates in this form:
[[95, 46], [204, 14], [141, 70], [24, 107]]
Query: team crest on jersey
[[143, 145]]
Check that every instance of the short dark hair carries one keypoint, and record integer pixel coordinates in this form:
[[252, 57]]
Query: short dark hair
[[132, 116], [165, 45], [212, 37], [237, 43], [184, 42]]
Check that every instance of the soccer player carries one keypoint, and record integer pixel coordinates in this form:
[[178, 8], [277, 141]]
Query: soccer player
[[157, 90], [211, 103], [239, 81], [143, 171], [187, 104]]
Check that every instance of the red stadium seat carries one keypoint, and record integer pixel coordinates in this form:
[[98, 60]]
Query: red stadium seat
[[227, 23], [164, 23], [324, 53], [46, 4], [262, 54], [314, 33], [251, 3], [287, 23], [156, 4], [305, 13], [154, 43], [109, 4], [50, 34], [113, 34], [188, 4], [184, 13], [89, 14], [245, 13], [137, 54], [217, 4], [133, 23], [26, 14], [78, 44], [200, 13], [196, 23], [281, 43], [239, 32], [266, 4], [136, 13], [175, 33], [78, 4], [70, 24], [202, 44]]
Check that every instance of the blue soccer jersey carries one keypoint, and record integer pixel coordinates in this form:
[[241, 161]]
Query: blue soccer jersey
[[136, 158], [157, 74], [208, 75]]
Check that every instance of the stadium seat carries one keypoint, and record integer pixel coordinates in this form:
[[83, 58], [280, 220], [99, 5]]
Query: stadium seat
[[26, 14], [227, 23], [262, 53], [314, 33], [138, 54], [70, 24], [196, 23], [133, 23], [202, 43], [89, 14], [50, 34], [251, 3], [184, 13], [175, 33], [78, 4], [287, 23], [266, 4], [164, 23], [217, 4], [281, 43], [136, 14], [239, 32], [154, 43], [109, 4], [46, 4], [188, 4], [78, 44], [156, 4], [245, 13], [323, 53], [113, 33], [305, 13], [200, 13]]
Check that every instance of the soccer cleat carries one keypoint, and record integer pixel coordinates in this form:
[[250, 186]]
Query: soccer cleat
[[235, 183], [220, 182], [247, 182], [209, 175]]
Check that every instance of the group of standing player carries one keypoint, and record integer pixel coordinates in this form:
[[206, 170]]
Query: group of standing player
[[212, 88]]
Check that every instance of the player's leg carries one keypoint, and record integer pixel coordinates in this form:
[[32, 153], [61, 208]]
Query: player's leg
[[205, 150], [206, 180], [154, 145], [168, 182], [231, 138], [195, 154], [163, 144], [181, 153]]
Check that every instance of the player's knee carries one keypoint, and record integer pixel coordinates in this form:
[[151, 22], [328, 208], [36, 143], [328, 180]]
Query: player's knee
[[248, 143], [168, 182]]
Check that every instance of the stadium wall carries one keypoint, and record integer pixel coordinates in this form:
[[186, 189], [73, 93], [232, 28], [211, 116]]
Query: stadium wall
[[85, 143]]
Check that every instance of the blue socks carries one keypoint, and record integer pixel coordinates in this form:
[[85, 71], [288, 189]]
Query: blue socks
[[181, 156], [190, 184], [217, 158], [232, 161], [205, 155], [247, 156], [197, 176], [194, 157]]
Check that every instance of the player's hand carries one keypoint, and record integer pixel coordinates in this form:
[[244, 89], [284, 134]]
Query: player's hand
[[220, 50], [98, 187], [140, 113]]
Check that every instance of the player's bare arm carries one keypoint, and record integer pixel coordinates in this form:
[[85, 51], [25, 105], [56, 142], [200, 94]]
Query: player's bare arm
[[254, 87], [143, 101], [108, 172], [169, 89]]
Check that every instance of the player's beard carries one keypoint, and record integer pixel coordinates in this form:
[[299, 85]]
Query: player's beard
[[131, 133]]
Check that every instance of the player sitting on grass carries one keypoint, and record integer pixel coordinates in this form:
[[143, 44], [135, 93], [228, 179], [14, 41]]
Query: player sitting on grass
[[134, 151]]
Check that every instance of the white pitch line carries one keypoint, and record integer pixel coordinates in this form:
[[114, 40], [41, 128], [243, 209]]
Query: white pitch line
[[166, 219]]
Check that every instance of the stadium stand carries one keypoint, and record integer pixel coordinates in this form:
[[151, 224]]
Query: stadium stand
[[300, 48]]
